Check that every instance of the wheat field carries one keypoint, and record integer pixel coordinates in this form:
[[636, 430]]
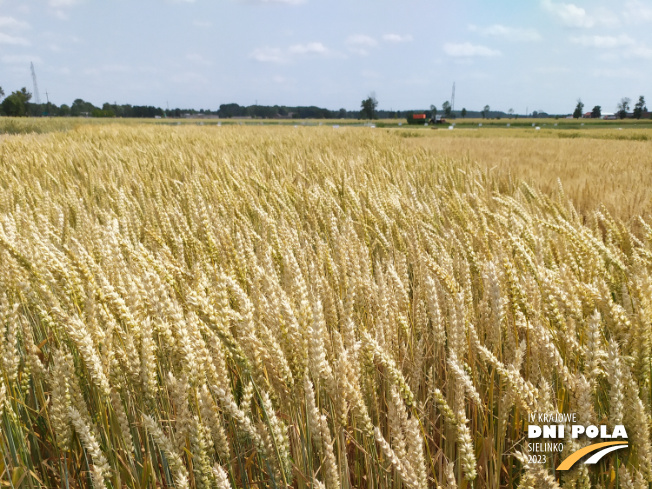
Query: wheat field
[[597, 167], [305, 307]]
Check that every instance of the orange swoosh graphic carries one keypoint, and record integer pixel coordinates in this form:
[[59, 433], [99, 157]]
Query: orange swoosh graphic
[[574, 457]]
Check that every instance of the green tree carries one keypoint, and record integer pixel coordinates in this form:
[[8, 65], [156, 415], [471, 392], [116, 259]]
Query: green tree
[[463, 112], [447, 108], [81, 108], [577, 113], [2, 92], [16, 104], [485, 111], [596, 113], [433, 111], [623, 107], [640, 107], [511, 113], [369, 106]]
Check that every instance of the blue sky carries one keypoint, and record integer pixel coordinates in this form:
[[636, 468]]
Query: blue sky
[[538, 54]]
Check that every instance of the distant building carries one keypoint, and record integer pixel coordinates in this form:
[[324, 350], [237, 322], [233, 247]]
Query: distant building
[[609, 116], [587, 115]]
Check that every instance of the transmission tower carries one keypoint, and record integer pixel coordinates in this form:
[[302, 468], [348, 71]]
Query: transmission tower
[[453, 98], [37, 97]]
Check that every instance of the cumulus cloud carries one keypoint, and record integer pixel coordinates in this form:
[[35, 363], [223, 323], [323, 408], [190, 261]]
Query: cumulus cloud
[[397, 38], [615, 47], [63, 3], [13, 40], [510, 33], [362, 40], [11, 23], [280, 56], [568, 13], [615, 73], [571, 15], [361, 44], [639, 51], [269, 55], [19, 59], [309, 48], [468, 50], [604, 42], [636, 11]]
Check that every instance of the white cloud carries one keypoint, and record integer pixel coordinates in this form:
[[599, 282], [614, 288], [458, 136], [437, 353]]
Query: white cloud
[[615, 73], [511, 33], [61, 15], [198, 59], [11, 23], [13, 40], [269, 55], [63, 3], [281, 56], [639, 51], [617, 47], [604, 42], [571, 15], [397, 38], [309, 48], [468, 50], [637, 12], [568, 13], [361, 43], [19, 59], [362, 40]]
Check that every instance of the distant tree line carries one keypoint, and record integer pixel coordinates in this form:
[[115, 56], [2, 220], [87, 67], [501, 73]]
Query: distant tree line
[[19, 103], [640, 109]]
